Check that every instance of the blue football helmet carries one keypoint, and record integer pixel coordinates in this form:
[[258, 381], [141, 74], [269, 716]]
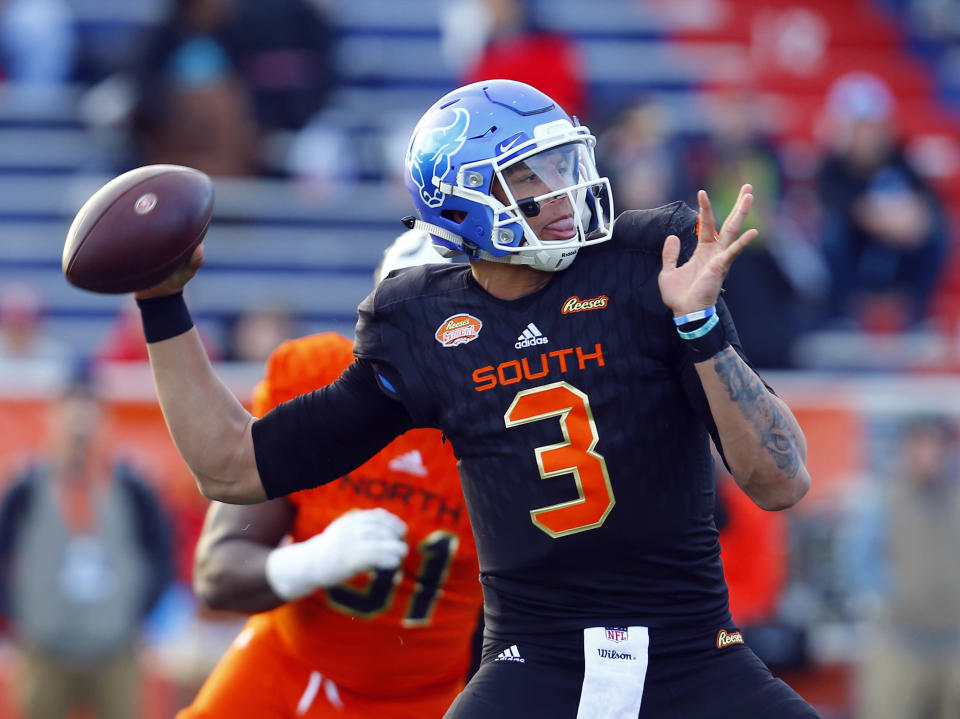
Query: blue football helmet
[[489, 156]]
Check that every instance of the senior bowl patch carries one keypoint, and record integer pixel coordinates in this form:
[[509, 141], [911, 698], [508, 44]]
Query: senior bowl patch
[[458, 330]]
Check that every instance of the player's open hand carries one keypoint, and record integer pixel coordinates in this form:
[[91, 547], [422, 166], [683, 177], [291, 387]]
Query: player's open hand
[[696, 284], [175, 282]]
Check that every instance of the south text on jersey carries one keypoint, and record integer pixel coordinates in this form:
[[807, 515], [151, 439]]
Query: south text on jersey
[[547, 364]]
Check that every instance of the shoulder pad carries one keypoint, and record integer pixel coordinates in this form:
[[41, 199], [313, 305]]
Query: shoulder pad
[[647, 229], [380, 314], [408, 282]]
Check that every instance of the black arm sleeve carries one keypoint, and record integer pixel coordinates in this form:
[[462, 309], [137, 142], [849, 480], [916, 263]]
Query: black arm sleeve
[[318, 437]]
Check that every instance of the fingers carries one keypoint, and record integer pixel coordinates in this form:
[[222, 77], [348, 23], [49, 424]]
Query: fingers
[[196, 259], [177, 280], [388, 521], [733, 223], [356, 541], [706, 224], [380, 535], [388, 554], [730, 253], [368, 523], [670, 253], [186, 273]]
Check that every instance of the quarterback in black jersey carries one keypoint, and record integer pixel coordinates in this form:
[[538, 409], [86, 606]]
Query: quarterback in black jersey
[[580, 368]]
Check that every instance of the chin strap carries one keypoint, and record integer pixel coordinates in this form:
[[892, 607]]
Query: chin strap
[[413, 223]]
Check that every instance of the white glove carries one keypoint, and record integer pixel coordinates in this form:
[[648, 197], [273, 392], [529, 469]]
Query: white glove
[[354, 542]]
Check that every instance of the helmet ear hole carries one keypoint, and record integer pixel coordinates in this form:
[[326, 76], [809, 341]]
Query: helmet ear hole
[[456, 216]]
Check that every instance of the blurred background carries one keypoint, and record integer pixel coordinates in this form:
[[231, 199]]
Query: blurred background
[[844, 116]]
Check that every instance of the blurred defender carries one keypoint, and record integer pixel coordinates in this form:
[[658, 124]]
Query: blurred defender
[[370, 612]]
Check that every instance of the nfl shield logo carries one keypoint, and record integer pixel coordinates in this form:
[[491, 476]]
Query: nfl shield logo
[[617, 634]]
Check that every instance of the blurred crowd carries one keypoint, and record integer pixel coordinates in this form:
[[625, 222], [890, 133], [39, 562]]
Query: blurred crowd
[[855, 242], [854, 236]]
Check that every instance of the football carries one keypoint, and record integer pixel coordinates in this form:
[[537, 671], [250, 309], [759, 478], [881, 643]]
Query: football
[[136, 230]]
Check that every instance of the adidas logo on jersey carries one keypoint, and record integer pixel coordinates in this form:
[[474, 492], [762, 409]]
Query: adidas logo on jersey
[[531, 336], [510, 654], [411, 463]]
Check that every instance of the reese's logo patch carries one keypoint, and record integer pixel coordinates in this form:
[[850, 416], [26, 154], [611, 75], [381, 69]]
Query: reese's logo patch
[[725, 638], [458, 330], [575, 304]]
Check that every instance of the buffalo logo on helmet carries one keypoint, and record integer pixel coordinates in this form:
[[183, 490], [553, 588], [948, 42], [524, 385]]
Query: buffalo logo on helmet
[[430, 155]]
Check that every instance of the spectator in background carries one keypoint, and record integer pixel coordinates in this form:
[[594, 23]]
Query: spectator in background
[[884, 230], [22, 333], [37, 44], [636, 152], [85, 552], [507, 42], [771, 288], [906, 579], [220, 77], [256, 333], [193, 106], [121, 344], [124, 341], [284, 53]]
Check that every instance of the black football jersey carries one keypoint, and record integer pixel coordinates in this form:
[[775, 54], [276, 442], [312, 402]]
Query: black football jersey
[[580, 426]]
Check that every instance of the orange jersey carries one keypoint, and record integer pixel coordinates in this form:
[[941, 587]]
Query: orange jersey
[[385, 633], [259, 677]]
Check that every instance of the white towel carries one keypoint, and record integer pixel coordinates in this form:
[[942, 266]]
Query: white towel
[[615, 667]]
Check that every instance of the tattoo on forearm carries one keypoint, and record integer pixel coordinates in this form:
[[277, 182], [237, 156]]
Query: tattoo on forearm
[[746, 389]]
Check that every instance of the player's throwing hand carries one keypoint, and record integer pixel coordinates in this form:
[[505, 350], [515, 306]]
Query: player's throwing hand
[[175, 282], [695, 285]]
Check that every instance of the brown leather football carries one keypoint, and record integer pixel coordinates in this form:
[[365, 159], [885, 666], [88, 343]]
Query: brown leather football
[[136, 230]]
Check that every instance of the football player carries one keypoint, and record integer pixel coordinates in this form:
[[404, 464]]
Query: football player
[[370, 609], [580, 368]]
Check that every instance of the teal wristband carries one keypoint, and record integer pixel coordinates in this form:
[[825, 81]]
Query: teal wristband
[[702, 330]]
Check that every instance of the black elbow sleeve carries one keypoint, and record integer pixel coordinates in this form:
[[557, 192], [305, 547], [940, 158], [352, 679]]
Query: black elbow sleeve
[[318, 437]]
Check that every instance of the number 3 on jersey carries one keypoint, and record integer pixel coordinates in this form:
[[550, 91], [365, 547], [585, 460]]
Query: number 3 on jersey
[[573, 456]]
